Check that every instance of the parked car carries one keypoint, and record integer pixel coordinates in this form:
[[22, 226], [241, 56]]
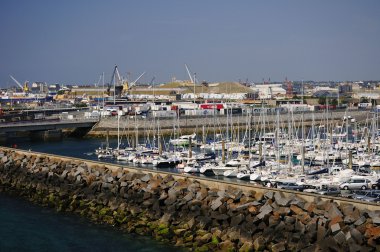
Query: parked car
[[355, 184], [363, 194], [290, 186], [376, 185], [310, 188], [375, 198], [329, 192]]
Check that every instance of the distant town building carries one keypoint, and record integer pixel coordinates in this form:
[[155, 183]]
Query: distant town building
[[269, 91], [345, 88], [325, 93], [372, 96], [38, 87]]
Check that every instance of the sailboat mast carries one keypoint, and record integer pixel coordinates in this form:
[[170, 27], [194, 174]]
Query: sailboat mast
[[118, 130], [137, 131], [303, 143], [278, 138]]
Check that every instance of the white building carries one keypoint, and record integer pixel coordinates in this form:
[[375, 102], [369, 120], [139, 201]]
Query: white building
[[269, 91], [373, 96]]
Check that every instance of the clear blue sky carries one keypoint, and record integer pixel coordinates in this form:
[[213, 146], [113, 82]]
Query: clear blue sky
[[74, 41]]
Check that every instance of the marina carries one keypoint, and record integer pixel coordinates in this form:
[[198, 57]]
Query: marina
[[190, 126]]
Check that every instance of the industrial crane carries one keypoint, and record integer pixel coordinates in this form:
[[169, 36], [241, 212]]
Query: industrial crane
[[133, 83], [120, 84], [24, 88], [188, 72], [151, 83]]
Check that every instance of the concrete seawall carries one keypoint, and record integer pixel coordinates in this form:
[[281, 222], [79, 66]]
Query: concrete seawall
[[189, 124], [196, 213]]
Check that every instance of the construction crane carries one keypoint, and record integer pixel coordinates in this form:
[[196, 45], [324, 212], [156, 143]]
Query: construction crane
[[24, 88], [188, 72]]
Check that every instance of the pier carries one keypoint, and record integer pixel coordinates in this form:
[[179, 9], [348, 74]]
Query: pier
[[46, 129], [198, 213], [46, 125]]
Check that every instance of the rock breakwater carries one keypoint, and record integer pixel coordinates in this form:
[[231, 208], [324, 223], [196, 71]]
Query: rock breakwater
[[185, 211]]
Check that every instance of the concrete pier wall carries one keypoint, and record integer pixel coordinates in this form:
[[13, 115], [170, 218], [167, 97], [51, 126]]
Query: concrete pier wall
[[189, 124], [46, 135]]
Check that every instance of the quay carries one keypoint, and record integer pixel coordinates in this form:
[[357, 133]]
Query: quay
[[43, 129], [192, 212], [191, 124], [46, 125]]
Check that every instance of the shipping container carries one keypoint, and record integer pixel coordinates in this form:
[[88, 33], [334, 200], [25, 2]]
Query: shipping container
[[233, 111], [187, 105], [200, 112], [164, 113], [212, 106]]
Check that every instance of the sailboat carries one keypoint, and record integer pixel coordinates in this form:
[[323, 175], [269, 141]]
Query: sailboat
[[183, 140]]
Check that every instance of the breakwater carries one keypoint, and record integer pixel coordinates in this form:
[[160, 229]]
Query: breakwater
[[195, 213]]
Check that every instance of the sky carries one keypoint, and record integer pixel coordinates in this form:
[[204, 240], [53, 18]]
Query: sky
[[75, 41]]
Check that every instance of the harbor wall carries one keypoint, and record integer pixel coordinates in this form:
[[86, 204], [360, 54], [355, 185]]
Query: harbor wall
[[189, 124], [196, 213]]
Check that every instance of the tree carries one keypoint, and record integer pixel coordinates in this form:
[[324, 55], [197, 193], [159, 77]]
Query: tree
[[322, 100], [334, 102], [364, 100]]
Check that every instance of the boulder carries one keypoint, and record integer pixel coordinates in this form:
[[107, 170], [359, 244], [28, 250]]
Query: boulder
[[237, 219], [259, 244], [215, 204], [165, 219], [189, 196], [246, 247], [234, 193], [297, 210], [227, 246], [278, 247], [376, 220], [202, 194], [146, 178], [333, 211], [264, 211], [205, 238]]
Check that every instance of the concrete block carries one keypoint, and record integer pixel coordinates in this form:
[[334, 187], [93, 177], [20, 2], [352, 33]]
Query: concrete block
[[340, 238], [269, 195], [335, 228], [215, 204], [360, 221]]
